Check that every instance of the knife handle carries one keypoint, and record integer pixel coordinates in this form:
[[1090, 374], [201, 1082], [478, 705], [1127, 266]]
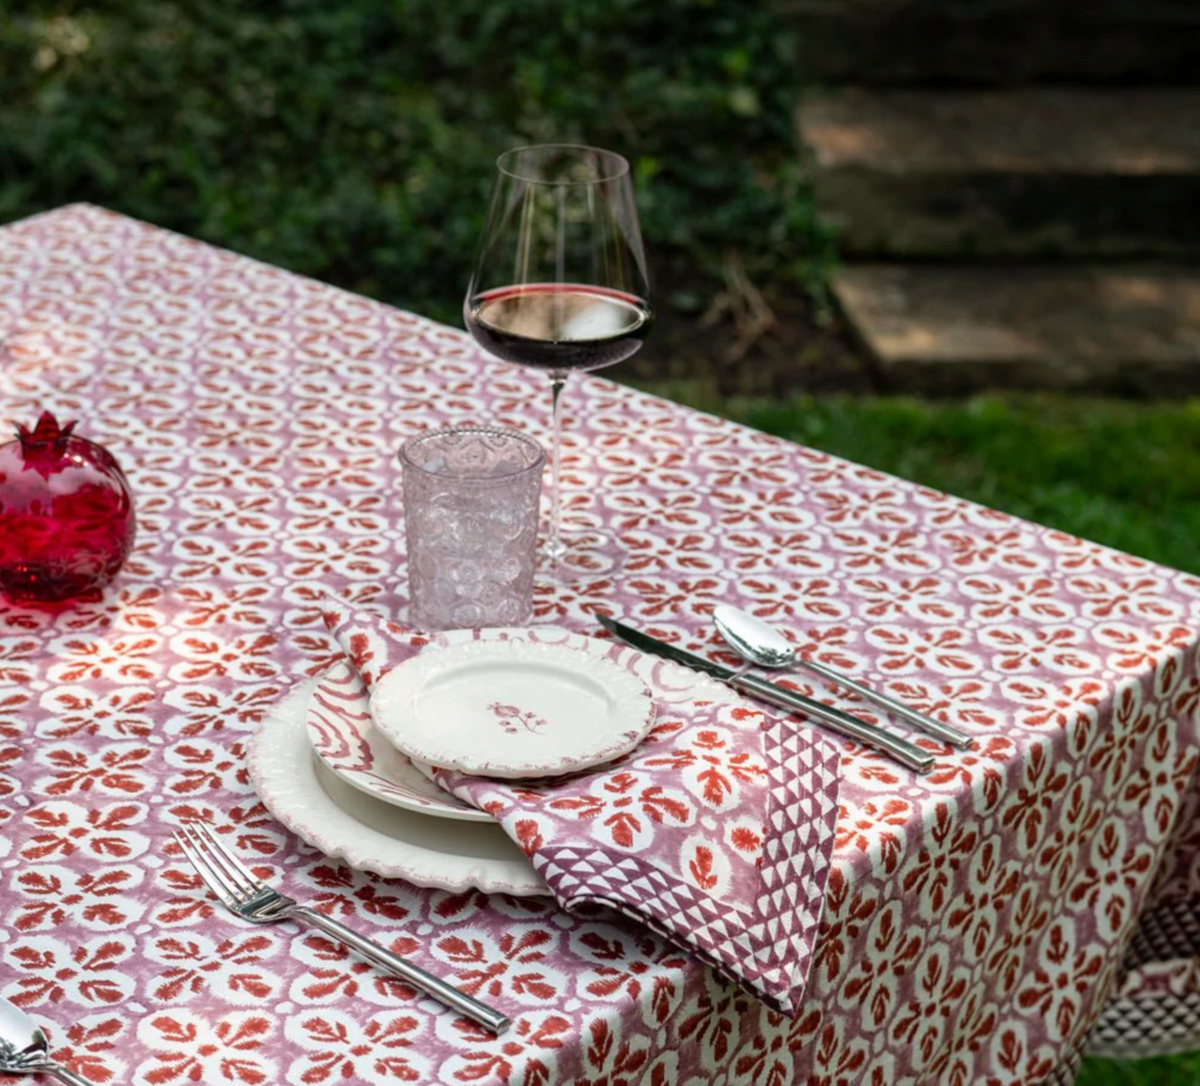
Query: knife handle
[[872, 735]]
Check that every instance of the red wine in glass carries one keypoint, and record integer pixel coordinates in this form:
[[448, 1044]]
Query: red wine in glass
[[559, 327], [560, 282]]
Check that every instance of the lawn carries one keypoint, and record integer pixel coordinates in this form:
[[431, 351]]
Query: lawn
[[1124, 474]]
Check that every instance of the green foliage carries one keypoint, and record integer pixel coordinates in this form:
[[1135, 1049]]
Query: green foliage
[[354, 140], [1181, 1070]]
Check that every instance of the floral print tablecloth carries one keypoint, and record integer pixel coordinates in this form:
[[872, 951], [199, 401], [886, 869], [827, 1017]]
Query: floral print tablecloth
[[976, 920]]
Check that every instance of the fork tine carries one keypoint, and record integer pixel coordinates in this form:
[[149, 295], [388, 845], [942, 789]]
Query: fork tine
[[217, 862], [230, 859], [208, 876]]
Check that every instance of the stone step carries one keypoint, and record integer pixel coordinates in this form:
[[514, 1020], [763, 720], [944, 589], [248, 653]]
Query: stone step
[[1002, 42], [1028, 172], [947, 329]]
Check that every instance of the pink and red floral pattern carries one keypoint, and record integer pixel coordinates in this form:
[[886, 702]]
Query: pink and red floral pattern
[[975, 920], [716, 830]]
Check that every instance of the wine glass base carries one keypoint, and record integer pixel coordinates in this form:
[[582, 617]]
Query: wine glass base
[[583, 554]]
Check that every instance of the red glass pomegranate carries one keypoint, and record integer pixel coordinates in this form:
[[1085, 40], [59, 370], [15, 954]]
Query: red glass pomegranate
[[66, 514]]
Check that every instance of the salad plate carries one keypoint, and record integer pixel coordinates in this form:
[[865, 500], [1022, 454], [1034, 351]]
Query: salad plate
[[512, 708]]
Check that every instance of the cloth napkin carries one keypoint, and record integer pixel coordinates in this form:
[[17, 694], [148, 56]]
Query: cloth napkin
[[716, 831]]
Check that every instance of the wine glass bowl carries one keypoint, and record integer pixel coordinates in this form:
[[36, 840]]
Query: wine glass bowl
[[559, 328], [560, 283]]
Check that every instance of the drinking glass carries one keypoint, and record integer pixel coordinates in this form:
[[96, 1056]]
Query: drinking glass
[[560, 283], [471, 518]]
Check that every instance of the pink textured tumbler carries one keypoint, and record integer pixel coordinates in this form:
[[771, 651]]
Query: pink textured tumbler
[[471, 517]]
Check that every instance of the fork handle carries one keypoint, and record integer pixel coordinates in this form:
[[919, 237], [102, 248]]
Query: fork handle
[[486, 1016]]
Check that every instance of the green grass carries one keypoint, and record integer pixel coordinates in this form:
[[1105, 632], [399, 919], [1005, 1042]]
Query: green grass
[[1123, 474], [1165, 1071], [1120, 473]]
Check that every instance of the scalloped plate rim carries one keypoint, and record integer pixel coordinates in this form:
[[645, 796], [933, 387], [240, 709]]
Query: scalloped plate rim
[[286, 775], [629, 713], [360, 778]]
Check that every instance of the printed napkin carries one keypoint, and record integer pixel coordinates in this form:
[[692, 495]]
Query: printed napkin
[[715, 832]]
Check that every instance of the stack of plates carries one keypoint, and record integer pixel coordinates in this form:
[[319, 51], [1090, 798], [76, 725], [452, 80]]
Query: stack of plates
[[348, 773]]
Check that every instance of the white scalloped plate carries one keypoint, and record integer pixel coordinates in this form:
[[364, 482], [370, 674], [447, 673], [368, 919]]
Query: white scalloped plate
[[346, 824], [345, 738], [512, 709]]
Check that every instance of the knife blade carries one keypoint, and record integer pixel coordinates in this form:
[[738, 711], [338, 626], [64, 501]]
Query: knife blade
[[906, 753]]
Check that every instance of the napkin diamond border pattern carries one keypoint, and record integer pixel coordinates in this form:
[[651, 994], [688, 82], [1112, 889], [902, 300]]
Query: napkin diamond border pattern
[[773, 954]]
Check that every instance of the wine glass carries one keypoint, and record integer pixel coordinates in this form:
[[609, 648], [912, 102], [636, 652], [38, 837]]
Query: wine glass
[[560, 283]]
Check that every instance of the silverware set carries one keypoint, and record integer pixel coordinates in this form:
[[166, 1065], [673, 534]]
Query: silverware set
[[760, 644]]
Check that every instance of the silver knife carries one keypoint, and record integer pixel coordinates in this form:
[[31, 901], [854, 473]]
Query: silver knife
[[872, 735]]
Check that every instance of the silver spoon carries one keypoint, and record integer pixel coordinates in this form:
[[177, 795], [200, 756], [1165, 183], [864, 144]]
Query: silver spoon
[[25, 1050], [760, 643]]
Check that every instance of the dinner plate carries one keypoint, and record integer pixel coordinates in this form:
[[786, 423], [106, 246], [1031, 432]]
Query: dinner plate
[[346, 824], [340, 729], [512, 709]]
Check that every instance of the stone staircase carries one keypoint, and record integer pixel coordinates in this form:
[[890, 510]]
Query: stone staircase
[[1016, 187]]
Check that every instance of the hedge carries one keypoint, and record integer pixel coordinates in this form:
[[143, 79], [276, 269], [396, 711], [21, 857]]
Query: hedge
[[354, 140]]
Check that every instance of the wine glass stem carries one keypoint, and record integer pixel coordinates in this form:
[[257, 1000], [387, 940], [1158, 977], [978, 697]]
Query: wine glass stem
[[555, 547]]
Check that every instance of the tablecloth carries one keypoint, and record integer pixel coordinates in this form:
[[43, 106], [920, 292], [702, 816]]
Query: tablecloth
[[977, 921]]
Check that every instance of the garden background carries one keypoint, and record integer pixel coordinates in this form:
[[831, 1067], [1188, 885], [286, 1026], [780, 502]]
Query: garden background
[[354, 142]]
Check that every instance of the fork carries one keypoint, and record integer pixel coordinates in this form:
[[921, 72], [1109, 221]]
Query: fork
[[245, 895]]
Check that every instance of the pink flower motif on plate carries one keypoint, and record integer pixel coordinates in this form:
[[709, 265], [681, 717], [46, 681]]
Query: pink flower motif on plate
[[510, 716]]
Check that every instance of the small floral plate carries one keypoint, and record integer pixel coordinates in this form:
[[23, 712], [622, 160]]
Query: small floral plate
[[512, 708], [338, 721]]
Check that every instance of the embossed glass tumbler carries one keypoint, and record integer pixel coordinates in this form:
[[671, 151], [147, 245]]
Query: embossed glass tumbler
[[471, 519]]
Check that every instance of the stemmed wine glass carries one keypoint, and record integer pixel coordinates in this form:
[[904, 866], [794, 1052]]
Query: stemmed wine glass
[[560, 283]]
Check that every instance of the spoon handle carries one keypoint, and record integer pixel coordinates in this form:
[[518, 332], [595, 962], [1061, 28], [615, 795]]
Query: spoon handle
[[904, 752], [66, 1075], [919, 720]]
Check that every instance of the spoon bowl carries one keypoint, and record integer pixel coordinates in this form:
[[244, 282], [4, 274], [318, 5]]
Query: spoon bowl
[[753, 639], [760, 643], [24, 1048]]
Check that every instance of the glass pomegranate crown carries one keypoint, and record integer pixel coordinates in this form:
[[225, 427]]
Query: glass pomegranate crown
[[67, 519]]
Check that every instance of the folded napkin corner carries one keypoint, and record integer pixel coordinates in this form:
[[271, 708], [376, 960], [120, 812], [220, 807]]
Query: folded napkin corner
[[373, 645], [716, 833]]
